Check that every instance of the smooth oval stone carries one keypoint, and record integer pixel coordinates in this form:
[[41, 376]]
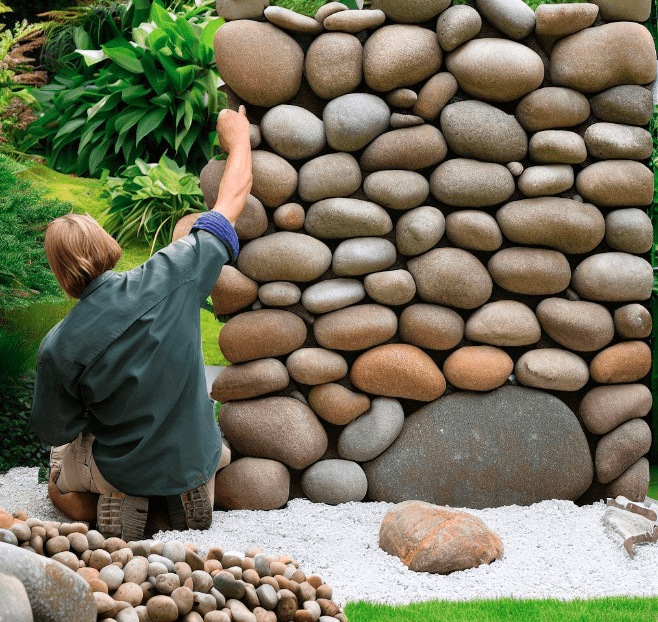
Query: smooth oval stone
[[537, 181], [419, 229], [552, 107], [564, 19], [279, 294], [434, 95], [271, 333], [633, 321], [112, 576], [623, 10], [402, 98], [478, 368], [337, 404], [352, 121], [136, 570], [516, 168], [252, 222], [334, 64], [470, 183], [232, 291], [632, 483], [567, 225], [267, 596], [604, 408], [277, 428], [395, 287], [331, 175], [628, 361], [431, 326], [456, 25], [255, 136], [252, 484], [613, 277], [8, 537], [346, 218], [451, 276], [245, 380], [513, 18], [284, 256], [533, 271], [473, 230], [629, 230], [410, 11], [322, 13], [405, 120], [396, 189], [354, 21], [629, 103], [620, 449], [496, 69], [293, 132], [289, 217], [355, 328], [289, 20], [232, 9], [400, 55], [316, 366], [477, 130], [370, 434], [410, 148], [610, 141], [333, 294], [598, 58], [552, 369], [575, 324], [503, 323], [531, 448], [334, 481], [398, 370], [261, 63], [363, 255], [557, 147], [274, 179]]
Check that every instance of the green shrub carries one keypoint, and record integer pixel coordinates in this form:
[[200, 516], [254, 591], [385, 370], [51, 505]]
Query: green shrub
[[310, 7]]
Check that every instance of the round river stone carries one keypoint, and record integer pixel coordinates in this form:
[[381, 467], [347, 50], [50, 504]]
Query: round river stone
[[456, 25], [533, 271], [353, 120], [629, 103], [629, 230], [396, 189], [473, 230], [604, 408], [355, 328], [232, 291], [478, 368], [331, 175], [245, 380], [332, 294], [333, 482], [418, 230], [334, 64], [274, 179], [552, 107], [628, 361], [633, 321], [337, 404], [346, 218], [279, 294], [363, 255], [411, 11], [431, 326], [293, 132], [503, 323], [392, 288], [434, 95], [537, 181], [552, 369], [565, 19], [252, 484], [513, 18], [557, 147], [316, 366], [609, 141], [620, 449]]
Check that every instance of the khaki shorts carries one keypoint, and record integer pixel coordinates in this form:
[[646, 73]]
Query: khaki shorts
[[73, 468]]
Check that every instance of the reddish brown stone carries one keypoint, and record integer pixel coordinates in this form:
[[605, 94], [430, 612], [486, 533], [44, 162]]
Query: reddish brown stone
[[337, 404], [604, 408], [624, 362], [245, 380], [478, 368], [232, 291], [252, 484], [76, 505], [621, 448]]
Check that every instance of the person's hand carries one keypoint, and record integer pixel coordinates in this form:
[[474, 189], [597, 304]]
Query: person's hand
[[232, 128]]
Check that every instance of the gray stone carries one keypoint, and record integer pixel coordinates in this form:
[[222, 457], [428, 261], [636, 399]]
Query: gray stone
[[316, 366], [629, 230], [400, 55], [255, 136], [513, 18], [435, 94], [289, 217], [633, 321], [355, 328], [232, 291], [373, 432], [246, 380], [610, 141], [334, 64], [346, 218], [431, 327], [629, 103], [411, 11], [228, 586], [551, 107], [533, 271], [456, 25], [473, 230], [331, 175], [274, 180], [362, 256], [289, 20], [613, 277], [419, 229], [553, 369], [329, 9], [624, 10], [498, 426], [354, 21], [174, 551], [112, 576], [267, 596], [14, 603], [616, 183], [399, 121], [557, 147], [503, 323], [451, 276], [470, 183], [568, 226], [402, 98], [136, 570], [284, 256], [396, 189], [240, 9], [293, 132], [560, 20], [392, 288], [279, 294], [332, 294], [604, 408], [621, 448], [496, 69], [353, 120], [55, 592], [8, 537], [252, 222], [334, 481], [539, 181]]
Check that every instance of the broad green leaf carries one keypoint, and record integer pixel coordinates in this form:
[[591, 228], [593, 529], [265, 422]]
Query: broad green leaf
[[91, 57], [67, 98], [158, 39], [163, 100], [187, 143], [149, 122], [135, 95], [160, 15], [87, 134], [69, 127], [81, 38], [108, 100], [128, 119], [154, 74], [97, 155], [124, 58], [187, 75], [208, 35], [189, 113]]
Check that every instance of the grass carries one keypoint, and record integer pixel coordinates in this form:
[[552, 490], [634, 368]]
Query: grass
[[653, 484], [609, 609]]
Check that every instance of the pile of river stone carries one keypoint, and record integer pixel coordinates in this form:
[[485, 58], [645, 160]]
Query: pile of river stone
[[443, 283], [55, 572]]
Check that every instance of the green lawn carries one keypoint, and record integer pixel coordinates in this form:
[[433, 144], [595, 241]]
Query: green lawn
[[653, 484]]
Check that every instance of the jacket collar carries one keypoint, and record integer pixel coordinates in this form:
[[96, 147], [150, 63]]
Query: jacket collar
[[96, 283]]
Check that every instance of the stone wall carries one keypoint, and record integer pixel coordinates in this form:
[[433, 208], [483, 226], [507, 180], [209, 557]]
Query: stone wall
[[443, 284]]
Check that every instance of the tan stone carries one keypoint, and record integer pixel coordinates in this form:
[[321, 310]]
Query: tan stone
[[473, 230], [392, 288], [295, 133], [632, 483], [355, 328], [274, 179], [633, 321], [289, 217], [333, 64], [279, 294], [316, 366], [411, 11], [398, 370], [610, 141], [354, 21], [332, 294], [363, 255], [331, 175], [402, 98], [478, 368], [628, 103], [604, 408], [456, 25], [396, 189], [624, 10], [232, 291], [419, 229], [289, 20], [552, 369], [629, 230], [245, 380], [534, 271], [557, 147], [431, 326], [341, 218], [552, 107], [503, 323], [538, 181], [620, 449], [560, 20], [329, 9], [434, 95], [628, 361], [337, 404], [252, 484]]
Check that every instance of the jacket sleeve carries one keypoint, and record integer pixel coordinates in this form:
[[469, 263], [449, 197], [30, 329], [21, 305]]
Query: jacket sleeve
[[57, 416]]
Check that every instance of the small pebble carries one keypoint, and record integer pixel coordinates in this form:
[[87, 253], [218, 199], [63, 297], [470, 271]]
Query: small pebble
[[70, 560], [33, 522], [20, 514], [114, 544], [204, 603], [99, 559], [194, 560], [140, 548], [169, 565], [193, 616], [324, 591], [184, 599], [251, 576], [8, 537], [112, 576], [104, 603], [232, 558], [183, 571], [67, 529], [127, 615], [21, 531], [136, 570], [156, 568], [156, 547], [212, 564], [96, 585], [174, 551], [236, 571], [216, 616], [201, 581], [78, 542], [215, 552], [130, 593], [267, 597], [39, 530], [167, 583], [95, 540]]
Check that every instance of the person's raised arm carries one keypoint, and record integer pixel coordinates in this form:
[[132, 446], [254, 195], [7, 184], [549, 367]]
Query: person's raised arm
[[234, 188]]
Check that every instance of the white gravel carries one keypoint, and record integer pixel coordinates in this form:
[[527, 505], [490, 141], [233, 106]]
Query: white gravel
[[553, 549]]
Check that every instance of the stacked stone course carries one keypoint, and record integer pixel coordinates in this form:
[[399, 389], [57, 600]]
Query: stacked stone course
[[443, 284]]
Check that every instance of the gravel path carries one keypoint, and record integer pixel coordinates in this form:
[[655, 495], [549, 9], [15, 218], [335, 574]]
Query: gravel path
[[552, 549]]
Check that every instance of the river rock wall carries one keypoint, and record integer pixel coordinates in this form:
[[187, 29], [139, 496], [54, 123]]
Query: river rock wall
[[443, 285]]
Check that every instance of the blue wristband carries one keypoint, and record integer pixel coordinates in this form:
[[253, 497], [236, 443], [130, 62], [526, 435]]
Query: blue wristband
[[218, 225]]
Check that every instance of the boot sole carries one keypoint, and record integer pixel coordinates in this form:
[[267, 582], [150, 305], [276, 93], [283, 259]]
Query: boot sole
[[190, 510], [122, 516]]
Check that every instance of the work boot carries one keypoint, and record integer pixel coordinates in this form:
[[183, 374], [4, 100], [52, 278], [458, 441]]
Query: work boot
[[122, 516], [190, 510]]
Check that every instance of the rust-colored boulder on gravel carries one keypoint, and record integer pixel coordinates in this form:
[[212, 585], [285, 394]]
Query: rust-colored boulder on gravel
[[252, 484], [431, 538]]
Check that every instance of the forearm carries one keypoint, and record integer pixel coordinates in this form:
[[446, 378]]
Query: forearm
[[235, 185]]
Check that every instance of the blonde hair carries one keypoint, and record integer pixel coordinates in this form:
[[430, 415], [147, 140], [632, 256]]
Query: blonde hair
[[78, 250]]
